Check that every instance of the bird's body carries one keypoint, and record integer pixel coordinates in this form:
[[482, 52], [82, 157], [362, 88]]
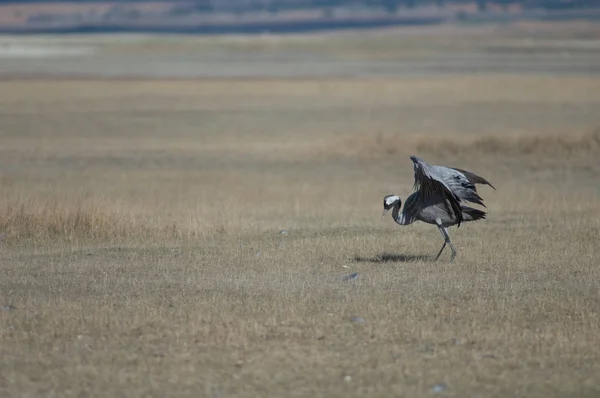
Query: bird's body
[[439, 193], [432, 209]]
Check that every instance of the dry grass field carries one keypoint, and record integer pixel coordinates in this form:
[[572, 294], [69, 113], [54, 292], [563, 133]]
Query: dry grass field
[[188, 238]]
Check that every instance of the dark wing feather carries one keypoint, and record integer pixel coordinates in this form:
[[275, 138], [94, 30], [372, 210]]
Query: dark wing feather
[[474, 178], [463, 185], [429, 186], [460, 185]]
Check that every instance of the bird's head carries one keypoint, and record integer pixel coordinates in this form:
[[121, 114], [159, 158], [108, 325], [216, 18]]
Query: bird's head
[[389, 201]]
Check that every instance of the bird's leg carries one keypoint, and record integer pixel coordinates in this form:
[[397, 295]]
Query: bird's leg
[[440, 252], [444, 233], [445, 240]]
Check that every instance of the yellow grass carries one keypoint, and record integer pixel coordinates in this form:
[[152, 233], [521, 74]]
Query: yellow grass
[[141, 243]]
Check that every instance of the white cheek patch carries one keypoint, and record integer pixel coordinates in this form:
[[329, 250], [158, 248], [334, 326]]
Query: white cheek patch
[[390, 200]]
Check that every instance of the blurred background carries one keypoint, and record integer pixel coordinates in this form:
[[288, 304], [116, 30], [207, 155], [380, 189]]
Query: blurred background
[[416, 37], [275, 16]]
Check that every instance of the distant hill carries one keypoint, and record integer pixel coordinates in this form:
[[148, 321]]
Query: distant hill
[[278, 16]]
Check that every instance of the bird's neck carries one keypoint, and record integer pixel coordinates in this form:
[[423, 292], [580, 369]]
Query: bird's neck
[[400, 217]]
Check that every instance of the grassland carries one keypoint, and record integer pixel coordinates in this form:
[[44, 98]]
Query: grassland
[[524, 48], [142, 251]]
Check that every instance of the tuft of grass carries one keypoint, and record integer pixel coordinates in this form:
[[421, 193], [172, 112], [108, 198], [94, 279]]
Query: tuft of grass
[[522, 144], [374, 146], [49, 220]]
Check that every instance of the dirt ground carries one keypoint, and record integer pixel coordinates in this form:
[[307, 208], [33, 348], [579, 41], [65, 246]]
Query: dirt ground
[[172, 237]]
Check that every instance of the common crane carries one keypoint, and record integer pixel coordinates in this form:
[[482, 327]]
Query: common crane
[[438, 196]]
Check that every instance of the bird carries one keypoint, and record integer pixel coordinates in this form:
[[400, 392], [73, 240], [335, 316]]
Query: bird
[[438, 199]]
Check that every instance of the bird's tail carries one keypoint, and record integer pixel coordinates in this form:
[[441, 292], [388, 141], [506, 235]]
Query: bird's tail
[[471, 214]]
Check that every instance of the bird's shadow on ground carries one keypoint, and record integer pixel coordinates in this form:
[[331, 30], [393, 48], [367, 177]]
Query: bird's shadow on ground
[[393, 258]]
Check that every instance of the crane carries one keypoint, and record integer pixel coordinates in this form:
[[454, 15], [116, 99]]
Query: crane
[[439, 193]]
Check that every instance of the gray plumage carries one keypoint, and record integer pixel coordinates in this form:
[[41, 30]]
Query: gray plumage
[[438, 199]]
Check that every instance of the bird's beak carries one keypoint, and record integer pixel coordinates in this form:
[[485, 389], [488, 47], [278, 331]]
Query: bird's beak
[[384, 213]]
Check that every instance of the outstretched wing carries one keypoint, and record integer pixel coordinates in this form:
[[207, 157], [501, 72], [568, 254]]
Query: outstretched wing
[[431, 186], [462, 183], [473, 178]]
